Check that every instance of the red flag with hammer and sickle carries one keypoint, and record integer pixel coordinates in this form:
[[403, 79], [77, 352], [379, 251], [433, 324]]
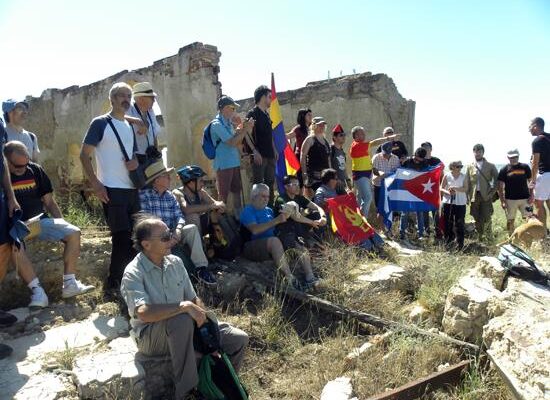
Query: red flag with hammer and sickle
[[347, 220]]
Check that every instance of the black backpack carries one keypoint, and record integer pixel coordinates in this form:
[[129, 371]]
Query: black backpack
[[226, 238], [519, 264]]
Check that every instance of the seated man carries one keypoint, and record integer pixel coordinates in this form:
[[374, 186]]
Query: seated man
[[195, 202], [157, 200], [164, 308], [298, 225], [263, 245], [328, 188], [33, 191]]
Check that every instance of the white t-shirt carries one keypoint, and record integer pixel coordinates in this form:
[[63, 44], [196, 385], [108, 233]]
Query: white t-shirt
[[460, 197], [110, 162], [155, 130]]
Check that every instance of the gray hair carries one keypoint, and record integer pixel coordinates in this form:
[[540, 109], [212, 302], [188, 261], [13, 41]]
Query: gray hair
[[257, 189], [117, 87], [356, 129], [143, 228], [387, 129], [15, 147]]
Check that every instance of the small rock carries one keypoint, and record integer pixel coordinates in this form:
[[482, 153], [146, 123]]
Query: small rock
[[338, 389]]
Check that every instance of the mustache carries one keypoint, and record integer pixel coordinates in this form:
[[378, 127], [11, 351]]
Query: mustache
[[126, 103]]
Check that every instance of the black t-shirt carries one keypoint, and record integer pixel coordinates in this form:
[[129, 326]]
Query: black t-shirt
[[411, 164], [263, 132], [541, 145], [433, 161], [302, 202], [29, 189], [397, 147], [515, 179]]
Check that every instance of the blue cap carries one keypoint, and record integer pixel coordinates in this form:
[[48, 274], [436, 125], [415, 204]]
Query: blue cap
[[10, 104]]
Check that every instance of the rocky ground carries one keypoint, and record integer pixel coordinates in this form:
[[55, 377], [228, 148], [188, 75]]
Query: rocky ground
[[81, 349]]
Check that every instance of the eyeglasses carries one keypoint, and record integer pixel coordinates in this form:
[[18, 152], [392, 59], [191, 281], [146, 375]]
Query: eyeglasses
[[166, 236], [16, 166], [457, 167], [293, 184]]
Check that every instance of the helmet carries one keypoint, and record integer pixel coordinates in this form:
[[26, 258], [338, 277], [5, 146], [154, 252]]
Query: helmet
[[189, 173]]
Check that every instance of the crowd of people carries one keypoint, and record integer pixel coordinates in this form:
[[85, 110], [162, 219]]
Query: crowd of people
[[166, 238]]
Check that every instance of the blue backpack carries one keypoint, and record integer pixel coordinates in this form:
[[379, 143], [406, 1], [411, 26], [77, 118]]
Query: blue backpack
[[208, 146]]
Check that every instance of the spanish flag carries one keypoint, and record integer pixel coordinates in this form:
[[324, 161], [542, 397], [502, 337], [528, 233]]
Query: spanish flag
[[287, 164]]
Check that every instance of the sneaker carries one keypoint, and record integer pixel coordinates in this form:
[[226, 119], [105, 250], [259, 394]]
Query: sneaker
[[39, 299], [5, 351], [7, 319], [204, 276], [74, 287]]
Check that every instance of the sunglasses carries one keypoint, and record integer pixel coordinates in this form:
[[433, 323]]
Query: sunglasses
[[165, 237], [457, 167], [19, 166]]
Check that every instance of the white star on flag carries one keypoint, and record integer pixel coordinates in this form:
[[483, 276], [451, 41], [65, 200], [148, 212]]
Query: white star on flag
[[428, 186]]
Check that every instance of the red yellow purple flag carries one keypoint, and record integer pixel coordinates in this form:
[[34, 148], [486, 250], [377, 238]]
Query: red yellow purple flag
[[287, 163]]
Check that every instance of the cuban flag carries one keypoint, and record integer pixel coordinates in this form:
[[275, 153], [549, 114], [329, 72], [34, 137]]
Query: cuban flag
[[407, 190]]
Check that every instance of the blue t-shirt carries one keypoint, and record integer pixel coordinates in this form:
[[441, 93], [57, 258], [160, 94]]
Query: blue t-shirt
[[227, 156], [251, 215]]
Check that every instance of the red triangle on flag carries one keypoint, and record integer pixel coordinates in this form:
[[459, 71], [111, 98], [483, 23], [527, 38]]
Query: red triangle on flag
[[425, 186]]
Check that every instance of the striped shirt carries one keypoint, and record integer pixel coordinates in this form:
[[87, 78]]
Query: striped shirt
[[386, 166], [165, 206]]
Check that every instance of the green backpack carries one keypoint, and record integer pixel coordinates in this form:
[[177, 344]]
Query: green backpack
[[218, 379]]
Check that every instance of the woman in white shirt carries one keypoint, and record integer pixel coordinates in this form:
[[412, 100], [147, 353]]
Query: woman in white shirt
[[454, 188]]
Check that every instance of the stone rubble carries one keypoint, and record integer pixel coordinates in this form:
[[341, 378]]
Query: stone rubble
[[514, 325], [338, 389]]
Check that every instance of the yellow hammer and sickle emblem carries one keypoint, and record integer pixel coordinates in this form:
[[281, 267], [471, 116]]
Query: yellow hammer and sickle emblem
[[355, 218]]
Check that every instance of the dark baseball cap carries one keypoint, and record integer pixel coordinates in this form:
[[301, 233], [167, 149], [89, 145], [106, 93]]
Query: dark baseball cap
[[226, 101]]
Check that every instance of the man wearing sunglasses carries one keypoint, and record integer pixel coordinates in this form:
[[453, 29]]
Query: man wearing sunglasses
[[34, 192], [165, 309], [338, 159]]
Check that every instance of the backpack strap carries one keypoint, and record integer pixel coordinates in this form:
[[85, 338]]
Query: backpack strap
[[122, 148]]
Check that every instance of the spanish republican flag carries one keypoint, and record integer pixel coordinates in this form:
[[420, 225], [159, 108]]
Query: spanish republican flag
[[287, 164], [347, 220]]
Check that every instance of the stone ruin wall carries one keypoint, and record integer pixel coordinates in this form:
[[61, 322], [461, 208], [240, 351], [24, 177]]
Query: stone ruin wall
[[188, 87]]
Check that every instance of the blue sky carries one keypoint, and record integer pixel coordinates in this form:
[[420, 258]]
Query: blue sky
[[476, 69]]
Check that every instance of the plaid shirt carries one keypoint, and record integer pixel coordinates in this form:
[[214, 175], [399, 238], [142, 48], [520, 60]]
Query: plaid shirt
[[385, 166], [165, 206]]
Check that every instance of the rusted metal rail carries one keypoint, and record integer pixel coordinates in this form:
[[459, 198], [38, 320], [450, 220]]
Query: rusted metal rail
[[336, 309], [419, 387]]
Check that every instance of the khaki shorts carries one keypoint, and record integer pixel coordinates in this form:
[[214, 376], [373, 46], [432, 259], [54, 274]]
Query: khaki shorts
[[256, 250], [513, 206]]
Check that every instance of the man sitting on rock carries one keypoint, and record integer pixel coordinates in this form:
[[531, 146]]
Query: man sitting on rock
[[33, 191], [159, 201], [298, 225], [164, 308], [195, 202], [263, 245]]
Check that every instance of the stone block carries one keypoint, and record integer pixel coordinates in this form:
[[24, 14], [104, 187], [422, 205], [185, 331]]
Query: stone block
[[386, 278], [338, 389]]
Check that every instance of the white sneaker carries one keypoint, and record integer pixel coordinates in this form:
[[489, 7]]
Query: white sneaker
[[39, 299], [74, 287]]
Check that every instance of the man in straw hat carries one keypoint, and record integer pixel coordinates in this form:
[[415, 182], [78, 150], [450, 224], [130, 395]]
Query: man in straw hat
[[159, 201], [33, 191], [142, 109], [164, 308]]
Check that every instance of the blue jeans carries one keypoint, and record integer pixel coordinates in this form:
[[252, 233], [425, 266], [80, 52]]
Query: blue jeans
[[364, 194], [404, 223]]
